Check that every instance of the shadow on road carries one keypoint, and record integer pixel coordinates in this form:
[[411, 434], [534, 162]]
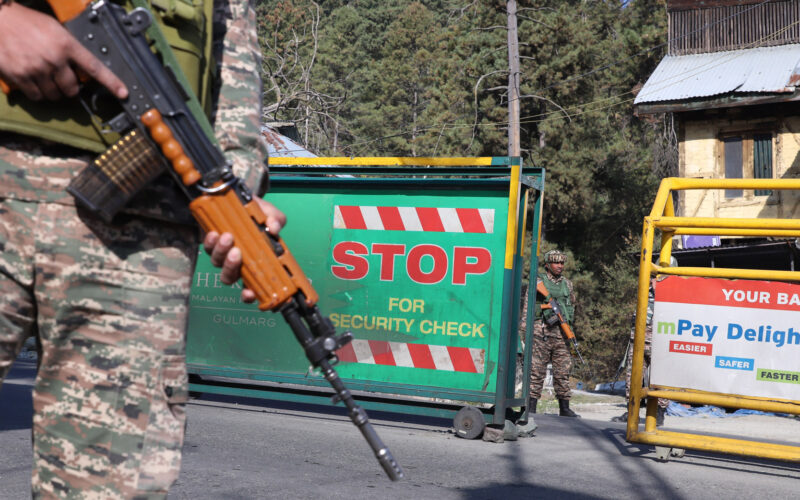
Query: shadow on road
[[706, 459], [321, 410], [637, 463], [610, 442], [524, 490], [752, 465]]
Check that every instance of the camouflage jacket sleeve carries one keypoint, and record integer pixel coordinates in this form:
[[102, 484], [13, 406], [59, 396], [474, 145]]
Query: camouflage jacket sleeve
[[237, 93], [572, 297]]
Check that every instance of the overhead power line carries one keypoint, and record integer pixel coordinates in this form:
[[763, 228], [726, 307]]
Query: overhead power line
[[583, 108]]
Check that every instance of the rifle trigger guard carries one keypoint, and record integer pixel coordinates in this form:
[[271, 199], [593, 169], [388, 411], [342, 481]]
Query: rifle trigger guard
[[217, 189]]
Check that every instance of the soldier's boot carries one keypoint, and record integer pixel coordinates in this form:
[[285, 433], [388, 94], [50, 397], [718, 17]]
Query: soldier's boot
[[532, 402], [660, 414], [563, 409]]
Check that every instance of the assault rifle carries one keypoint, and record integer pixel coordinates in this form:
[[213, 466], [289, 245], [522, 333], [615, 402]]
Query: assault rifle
[[163, 127], [557, 317]]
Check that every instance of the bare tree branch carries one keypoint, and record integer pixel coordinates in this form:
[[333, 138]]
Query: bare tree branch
[[531, 96], [475, 95], [290, 56], [490, 28], [461, 12], [536, 21]]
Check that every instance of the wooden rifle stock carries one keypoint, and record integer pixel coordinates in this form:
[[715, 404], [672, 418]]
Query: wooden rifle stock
[[552, 304], [268, 268]]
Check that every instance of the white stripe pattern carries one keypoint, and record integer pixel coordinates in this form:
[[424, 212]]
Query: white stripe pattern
[[440, 355], [487, 216], [410, 218], [338, 220], [372, 218], [363, 352], [447, 216], [441, 358], [402, 356], [477, 358], [450, 220]]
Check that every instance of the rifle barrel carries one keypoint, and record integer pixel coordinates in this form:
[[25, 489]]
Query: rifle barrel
[[357, 414]]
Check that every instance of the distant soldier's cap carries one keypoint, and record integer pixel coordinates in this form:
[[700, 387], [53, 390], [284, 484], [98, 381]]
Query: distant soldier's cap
[[673, 262], [555, 257]]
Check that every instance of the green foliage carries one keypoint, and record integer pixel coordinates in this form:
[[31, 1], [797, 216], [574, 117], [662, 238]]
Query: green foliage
[[607, 302], [429, 78]]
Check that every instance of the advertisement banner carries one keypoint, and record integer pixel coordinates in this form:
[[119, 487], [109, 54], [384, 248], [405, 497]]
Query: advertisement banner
[[737, 337]]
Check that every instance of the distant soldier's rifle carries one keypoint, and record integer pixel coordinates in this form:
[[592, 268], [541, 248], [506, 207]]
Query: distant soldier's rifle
[[557, 317]]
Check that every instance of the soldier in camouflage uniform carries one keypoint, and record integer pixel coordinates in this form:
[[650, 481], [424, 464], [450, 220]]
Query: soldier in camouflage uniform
[[648, 340], [548, 343], [109, 302]]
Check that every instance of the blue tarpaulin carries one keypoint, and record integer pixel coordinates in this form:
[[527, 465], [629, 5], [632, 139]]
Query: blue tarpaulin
[[678, 410]]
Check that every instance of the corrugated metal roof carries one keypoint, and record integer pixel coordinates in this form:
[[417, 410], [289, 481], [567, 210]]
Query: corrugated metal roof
[[758, 70], [280, 146]]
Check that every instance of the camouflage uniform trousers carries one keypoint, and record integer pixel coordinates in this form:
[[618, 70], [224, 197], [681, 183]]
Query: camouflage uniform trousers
[[648, 339], [549, 347], [109, 304]]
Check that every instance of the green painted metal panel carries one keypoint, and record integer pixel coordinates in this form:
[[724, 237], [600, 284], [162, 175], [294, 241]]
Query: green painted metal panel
[[419, 290], [424, 301], [462, 309], [431, 409]]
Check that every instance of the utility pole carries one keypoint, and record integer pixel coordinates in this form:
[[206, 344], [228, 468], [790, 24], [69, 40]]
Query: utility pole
[[513, 80]]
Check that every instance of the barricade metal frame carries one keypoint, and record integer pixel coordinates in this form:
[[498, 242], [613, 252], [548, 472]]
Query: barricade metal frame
[[522, 182], [663, 217]]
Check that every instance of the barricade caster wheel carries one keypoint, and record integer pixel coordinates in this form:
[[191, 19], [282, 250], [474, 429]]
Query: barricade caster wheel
[[677, 452], [469, 422]]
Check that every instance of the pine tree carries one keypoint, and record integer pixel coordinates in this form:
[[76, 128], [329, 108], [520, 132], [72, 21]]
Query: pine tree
[[429, 77]]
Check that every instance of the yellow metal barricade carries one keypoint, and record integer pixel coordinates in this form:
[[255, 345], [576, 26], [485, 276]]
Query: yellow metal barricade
[[663, 217]]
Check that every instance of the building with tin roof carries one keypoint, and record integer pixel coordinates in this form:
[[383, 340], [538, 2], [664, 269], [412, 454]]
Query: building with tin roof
[[731, 78]]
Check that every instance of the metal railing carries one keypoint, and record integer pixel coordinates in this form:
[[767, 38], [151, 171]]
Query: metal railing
[[663, 217]]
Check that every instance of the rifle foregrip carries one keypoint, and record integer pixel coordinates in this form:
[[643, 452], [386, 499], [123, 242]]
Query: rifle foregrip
[[274, 279], [172, 150], [568, 331]]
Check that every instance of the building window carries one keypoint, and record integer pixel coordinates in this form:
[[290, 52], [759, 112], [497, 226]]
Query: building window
[[762, 160], [747, 156], [733, 163]]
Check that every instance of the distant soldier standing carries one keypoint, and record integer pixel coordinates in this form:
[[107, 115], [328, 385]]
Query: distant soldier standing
[[548, 343], [648, 341]]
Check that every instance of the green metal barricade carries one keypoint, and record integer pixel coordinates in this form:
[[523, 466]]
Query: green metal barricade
[[422, 262]]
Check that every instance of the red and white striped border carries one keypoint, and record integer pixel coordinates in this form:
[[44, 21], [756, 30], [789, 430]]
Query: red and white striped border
[[442, 220], [432, 357]]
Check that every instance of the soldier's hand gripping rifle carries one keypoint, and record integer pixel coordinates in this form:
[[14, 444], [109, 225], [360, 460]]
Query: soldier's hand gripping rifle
[[162, 127], [557, 317]]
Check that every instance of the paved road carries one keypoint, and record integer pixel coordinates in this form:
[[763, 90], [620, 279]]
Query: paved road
[[253, 449]]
